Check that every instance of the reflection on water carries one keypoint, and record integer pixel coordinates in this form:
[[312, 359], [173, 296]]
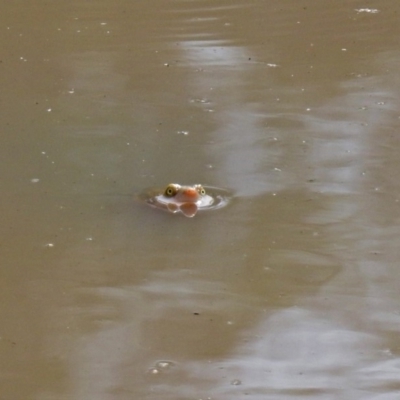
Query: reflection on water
[[291, 292]]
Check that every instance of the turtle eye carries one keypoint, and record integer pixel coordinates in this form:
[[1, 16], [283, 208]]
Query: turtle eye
[[201, 190], [170, 191]]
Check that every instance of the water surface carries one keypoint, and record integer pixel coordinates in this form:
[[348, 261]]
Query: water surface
[[290, 292]]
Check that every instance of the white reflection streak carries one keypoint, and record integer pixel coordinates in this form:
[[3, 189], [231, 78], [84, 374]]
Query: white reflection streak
[[112, 341], [298, 350], [240, 159]]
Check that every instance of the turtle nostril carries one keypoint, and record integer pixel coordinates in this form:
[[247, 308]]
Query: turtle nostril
[[190, 192]]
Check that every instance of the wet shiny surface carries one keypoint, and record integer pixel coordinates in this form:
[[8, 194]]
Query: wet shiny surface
[[291, 292]]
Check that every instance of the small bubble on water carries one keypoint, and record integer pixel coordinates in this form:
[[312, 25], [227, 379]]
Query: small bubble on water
[[154, 371], [200, 100], [160, 366], [367, 10], [387, 352], [164, 364]]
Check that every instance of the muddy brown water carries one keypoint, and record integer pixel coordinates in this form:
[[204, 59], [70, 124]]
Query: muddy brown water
[[290, 292]]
